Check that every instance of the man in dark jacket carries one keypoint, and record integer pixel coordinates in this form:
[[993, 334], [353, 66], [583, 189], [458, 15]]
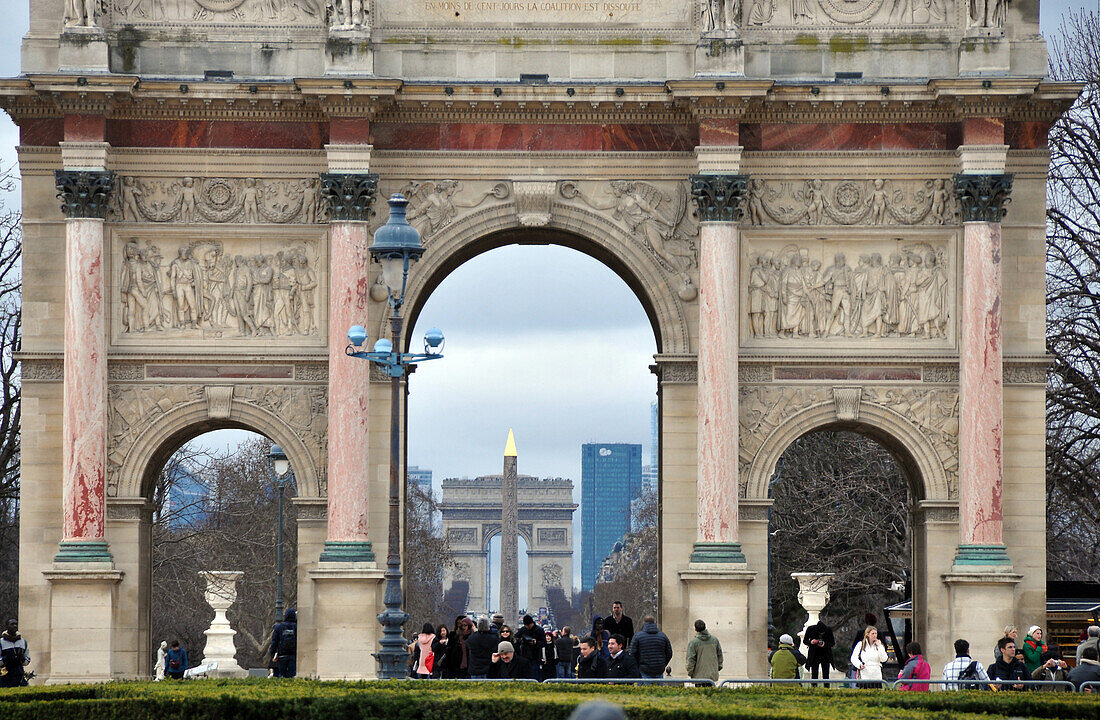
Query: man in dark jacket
[[284, 645], [591, 665], [531, 639], [1008, 666], [621, 664], [619, 623], [481, 645], [1088, 670], [819, 649], [651, 649], [175, 661], [14, 656], [564, 651], [507, 665]]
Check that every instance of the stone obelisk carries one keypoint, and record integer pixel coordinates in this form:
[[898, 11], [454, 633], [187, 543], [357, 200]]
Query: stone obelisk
[[509, 539]]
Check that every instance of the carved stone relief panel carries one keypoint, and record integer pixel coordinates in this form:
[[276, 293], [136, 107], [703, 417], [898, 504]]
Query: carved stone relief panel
[[134, 408], [807, 14], [552, 575], [462, 536], [935, 413], [858, 291], [435, 204], [216, 200], [185, 289], [552, 536], [218, 12], [850, 202], [657, 216]]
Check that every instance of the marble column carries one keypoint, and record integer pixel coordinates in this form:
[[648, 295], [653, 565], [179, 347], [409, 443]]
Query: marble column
[[982, 200], [349, 196], [84, 196], [719, 201]]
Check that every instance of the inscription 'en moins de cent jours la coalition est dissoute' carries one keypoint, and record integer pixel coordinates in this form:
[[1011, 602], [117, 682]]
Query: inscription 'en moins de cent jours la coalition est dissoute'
[[539, 11]]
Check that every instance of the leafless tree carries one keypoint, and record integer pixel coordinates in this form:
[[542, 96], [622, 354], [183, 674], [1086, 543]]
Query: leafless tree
[[219, 512], [427, 555], [11, 286], [1073, 310], [630, 575], [841, 506]]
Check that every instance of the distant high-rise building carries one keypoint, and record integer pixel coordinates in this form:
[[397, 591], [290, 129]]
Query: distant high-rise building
[[420, 476], [650, 470], [611, 477], [187, 502]]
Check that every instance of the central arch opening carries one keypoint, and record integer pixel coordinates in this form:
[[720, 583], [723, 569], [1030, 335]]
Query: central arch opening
[[552, 336]]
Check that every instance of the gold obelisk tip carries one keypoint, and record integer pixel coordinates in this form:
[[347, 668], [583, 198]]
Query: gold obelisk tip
[[510, 448]]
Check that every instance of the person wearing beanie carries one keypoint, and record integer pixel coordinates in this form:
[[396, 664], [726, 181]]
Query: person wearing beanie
[[481, 645], [1033, 648], [508, 665], [785, 659], [530, 640]]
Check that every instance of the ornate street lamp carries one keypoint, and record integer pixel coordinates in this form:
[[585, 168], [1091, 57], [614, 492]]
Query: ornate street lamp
[[280, 475], [396, 247]]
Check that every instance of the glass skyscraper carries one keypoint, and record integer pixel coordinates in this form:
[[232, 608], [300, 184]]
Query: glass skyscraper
[[611, 477]]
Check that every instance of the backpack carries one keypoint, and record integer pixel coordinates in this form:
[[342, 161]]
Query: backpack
[[970, 673], [288, 641]]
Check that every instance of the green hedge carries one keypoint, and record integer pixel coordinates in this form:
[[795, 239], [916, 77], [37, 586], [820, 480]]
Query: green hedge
[[310, 700]]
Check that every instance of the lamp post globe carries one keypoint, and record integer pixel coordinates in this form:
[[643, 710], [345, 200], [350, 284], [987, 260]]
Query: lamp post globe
[[396, 246], [280, 466]]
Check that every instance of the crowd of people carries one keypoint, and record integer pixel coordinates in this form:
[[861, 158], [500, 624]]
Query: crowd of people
[[1016, 664], [610, 649]]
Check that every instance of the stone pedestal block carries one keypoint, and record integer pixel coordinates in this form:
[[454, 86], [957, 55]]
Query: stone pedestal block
[[82, 608], [347, 597], [981, 603], [984, 56], [221, 593], [720, 56], [83, 48], [349, 52], [718, 594]]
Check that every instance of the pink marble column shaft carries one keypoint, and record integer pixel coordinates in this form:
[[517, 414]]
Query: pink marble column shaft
[[348, 386], [980, 387], [84, 427], [718, 419]]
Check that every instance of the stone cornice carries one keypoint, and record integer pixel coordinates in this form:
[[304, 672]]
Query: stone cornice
[[686, 101]]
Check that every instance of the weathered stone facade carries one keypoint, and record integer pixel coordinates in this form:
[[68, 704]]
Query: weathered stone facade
[[217, 163]]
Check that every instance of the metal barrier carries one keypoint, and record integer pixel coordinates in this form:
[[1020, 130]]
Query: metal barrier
[[808, 682], [471, 680], [1092, 686], [952, 685], [684, 682]]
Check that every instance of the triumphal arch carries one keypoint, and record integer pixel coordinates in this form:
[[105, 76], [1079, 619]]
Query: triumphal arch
[[811, 199], [471, 510]]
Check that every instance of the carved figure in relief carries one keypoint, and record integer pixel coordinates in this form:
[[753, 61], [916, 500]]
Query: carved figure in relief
[[215, 299], [987, 14], [761, 12], [758, 283], [346, 14], [877, 202], [262, 275], [251, 201], [873, 304], [771, 294], [186, 277], [552, 575], [133, 299], [309, 201], [130, 193], [802, 11], [80, 13], [187, 200], [891, 298], [815, 202], [793, 298], [714, 19], [433, 203], [307, 286], [637, 205], [940, 201], [815, 283], [838, 285], [240, 280], [283, 284]]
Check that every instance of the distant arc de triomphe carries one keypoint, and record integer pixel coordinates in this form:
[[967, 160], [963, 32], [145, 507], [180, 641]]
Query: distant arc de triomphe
[[816, 247], [471, 513]]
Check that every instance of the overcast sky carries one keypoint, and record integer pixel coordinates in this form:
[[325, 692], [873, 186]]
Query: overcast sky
[[541, 339]]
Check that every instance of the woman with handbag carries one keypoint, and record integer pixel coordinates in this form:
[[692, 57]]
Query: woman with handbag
[[425, 658], [868, 656]]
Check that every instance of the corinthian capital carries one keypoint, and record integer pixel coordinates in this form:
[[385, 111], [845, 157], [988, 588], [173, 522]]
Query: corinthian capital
[[84, 193], [719, 198], [349, 195], [983, 198]]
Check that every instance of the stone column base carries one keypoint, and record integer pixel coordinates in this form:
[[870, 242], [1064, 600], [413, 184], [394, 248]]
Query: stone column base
[[82, 608], [720, 56], [347, 600], [349, 52], [83, 48], [718, 594], [981, 602]]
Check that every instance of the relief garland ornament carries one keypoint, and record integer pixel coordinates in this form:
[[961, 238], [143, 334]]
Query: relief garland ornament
[[850, 202], [216, 200]]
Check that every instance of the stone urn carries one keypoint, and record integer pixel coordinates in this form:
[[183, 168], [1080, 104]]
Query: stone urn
[[221, 593], [813, 595]]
